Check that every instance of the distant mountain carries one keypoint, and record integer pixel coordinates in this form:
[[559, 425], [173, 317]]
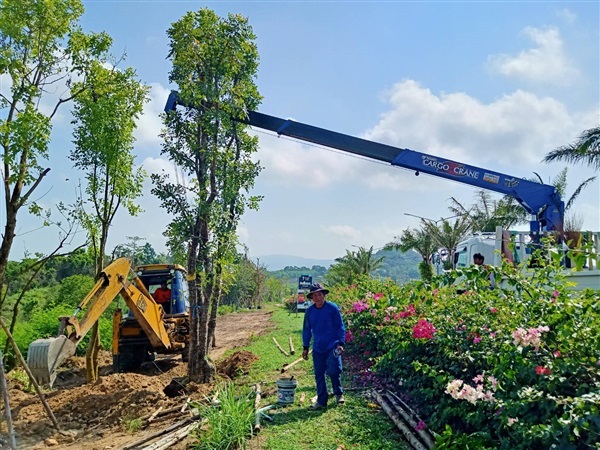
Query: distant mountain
[[279, 262]]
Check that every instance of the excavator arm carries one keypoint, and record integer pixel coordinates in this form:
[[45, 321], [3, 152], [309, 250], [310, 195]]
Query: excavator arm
[[46, 355]]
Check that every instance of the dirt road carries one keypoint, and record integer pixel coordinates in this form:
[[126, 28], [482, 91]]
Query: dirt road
[[94, 417]]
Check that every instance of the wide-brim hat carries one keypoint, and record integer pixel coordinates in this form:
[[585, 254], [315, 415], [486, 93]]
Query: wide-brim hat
[[317, 288]]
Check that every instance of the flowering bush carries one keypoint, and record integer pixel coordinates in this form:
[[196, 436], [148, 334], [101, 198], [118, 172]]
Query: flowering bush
[[505, 368]]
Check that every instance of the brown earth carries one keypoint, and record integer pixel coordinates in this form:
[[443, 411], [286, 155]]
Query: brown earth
[[95, 417]]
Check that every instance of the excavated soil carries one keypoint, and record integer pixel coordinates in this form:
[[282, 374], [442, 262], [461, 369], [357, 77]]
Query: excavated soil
[[95, 417]]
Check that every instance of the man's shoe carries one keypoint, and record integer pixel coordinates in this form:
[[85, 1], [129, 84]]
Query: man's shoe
[[316, 406], [340, 399]]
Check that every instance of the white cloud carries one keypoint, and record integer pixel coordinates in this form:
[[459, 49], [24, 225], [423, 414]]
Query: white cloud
[[567, 15], [287, 161], [547, 62], [516, 130], [150, 124], [343, 231]]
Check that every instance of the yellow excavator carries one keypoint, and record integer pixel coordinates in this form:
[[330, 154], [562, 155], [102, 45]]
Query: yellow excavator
[[148, 328]]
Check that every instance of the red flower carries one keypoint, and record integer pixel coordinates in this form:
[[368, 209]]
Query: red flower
[[541, 370], [423, 330]]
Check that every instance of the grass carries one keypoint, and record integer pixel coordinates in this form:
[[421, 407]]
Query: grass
[[229, 425], [358, 424], [132, 424]]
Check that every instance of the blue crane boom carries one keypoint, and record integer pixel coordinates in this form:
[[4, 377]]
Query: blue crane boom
[[542, 201]]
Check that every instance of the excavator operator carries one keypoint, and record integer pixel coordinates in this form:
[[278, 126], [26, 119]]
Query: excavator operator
[[162, 295]]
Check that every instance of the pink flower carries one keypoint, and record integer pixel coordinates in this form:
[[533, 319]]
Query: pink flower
[[478, 379], [378, 296], [409, 311], [421, 426], [477, 339], [494, 310], [541, 370], [360, 306], [349, 336], [557, 354], [423, 330], [511, 421]]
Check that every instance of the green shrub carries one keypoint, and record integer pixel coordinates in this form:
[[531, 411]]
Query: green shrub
[[513, 368], [229, 424]]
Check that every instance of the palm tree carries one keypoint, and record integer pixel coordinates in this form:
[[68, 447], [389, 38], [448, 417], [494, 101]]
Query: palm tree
[[487, 214], [586, 150], [416, 239], [352, 265], [447, 235], [420, 241]]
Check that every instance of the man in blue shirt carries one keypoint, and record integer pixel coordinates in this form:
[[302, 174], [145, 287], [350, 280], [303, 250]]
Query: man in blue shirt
[[324, 325]]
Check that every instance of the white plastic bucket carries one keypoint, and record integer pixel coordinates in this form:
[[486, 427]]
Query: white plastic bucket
[[286, 390]]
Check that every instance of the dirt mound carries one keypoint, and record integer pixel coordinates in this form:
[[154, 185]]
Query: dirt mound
[[237, 364], [94, 417]]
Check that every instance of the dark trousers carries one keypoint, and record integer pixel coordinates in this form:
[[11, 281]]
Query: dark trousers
[[331, 365]]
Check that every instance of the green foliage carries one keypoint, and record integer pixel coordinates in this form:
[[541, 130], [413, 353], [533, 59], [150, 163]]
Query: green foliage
[[132, 424], [353, 264], [585, 150], [426, 271], [72, 291], [41, 45], [229, 424], [503, 368]]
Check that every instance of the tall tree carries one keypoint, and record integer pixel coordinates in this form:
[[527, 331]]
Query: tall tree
[[585, 150], [215, 61], [41, 48], [105, 117]]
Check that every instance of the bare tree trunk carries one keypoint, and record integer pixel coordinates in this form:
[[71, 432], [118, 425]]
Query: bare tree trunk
[[91, 355], [7, 238]]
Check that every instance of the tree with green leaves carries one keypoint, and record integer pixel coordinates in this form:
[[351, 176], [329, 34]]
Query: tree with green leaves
[[419, 240], [447, 235], [105, 116], [214, 65], [486, 213], [585, 150], [41, 48], [352, 265]]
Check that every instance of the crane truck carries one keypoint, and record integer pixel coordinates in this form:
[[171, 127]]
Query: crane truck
[[148, 327]]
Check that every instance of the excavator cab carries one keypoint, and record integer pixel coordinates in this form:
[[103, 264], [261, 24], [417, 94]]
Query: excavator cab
[[174, 276]]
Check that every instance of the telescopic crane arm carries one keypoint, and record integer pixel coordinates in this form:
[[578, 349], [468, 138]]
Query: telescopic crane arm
[[542, 201]]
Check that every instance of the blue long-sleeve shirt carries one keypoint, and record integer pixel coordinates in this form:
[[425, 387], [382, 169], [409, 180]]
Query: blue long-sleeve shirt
[[325, 326]]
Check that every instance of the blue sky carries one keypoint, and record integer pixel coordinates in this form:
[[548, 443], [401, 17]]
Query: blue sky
[[492, 84]]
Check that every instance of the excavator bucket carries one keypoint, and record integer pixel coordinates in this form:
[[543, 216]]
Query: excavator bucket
[[46, 355]]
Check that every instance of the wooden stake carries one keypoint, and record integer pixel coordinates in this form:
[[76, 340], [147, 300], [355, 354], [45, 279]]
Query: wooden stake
[[256, 405], [154, 414], [161, 432], [410, 417], [287, 366], [406, 431], [35, 384], [292, 351], [9, 422], [280, 348]]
